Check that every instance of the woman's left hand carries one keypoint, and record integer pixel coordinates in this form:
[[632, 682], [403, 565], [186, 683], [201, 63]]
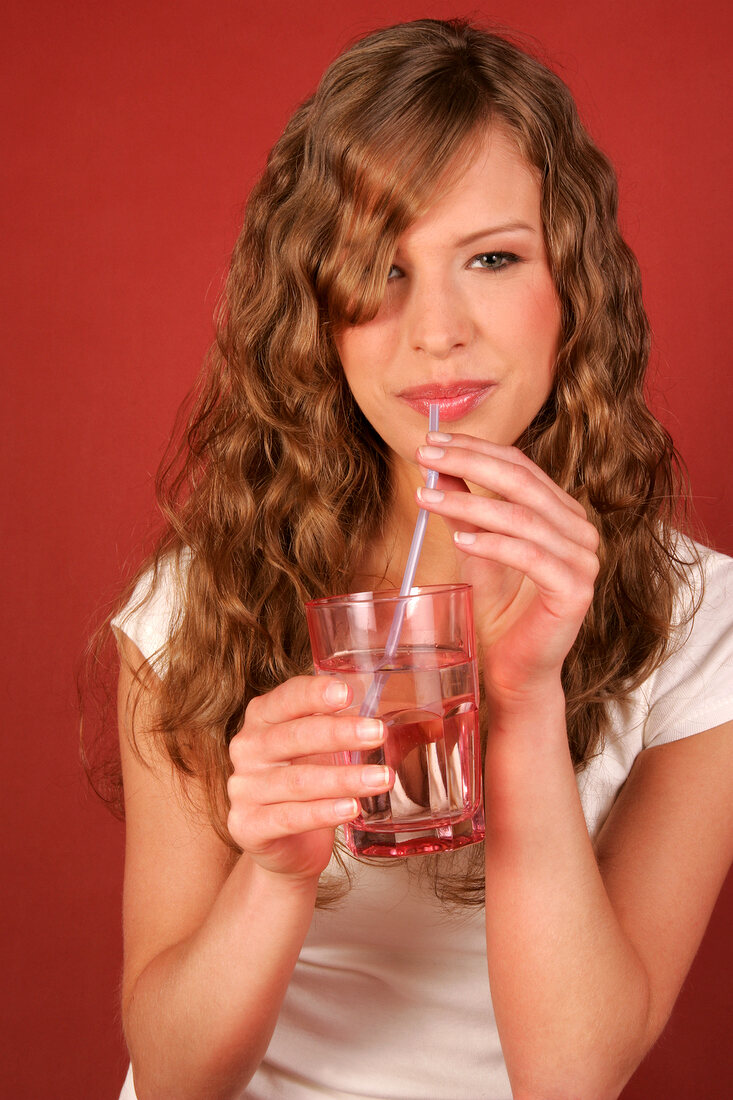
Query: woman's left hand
[[531, 556]]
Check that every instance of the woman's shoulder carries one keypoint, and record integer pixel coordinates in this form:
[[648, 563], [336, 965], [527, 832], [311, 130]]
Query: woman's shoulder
[[689, 692], [708, 575], [703, 607], [692, 689], [155, 606]]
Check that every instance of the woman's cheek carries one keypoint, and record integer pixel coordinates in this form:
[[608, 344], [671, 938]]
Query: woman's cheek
[[545, 313]]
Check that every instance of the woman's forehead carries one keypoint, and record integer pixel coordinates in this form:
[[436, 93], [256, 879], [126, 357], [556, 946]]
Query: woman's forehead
[[490, 185]]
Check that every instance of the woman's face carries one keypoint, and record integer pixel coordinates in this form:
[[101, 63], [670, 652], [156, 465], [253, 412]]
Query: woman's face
[[470, 316]]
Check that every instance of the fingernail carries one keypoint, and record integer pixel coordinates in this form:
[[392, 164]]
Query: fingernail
[[431, 452], [439, 437], [431, 496], [346, 807], [465, 538], [375, 777], [337, 692], [370, 729]]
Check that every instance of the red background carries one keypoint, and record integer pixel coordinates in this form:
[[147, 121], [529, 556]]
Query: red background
[[135, 132]]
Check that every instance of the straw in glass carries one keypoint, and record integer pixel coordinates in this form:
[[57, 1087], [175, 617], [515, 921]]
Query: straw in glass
[[374, 694]]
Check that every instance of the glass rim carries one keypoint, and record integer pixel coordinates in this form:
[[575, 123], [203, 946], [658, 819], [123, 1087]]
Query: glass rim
[[387, 595]]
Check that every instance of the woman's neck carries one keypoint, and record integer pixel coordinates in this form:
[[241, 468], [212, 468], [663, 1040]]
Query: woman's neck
[[384, 560]]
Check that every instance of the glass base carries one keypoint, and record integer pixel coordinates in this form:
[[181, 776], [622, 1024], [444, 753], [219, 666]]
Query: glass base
[[443, 838]]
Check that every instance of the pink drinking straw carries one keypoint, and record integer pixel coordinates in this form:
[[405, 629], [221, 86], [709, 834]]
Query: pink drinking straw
[[374, 694]]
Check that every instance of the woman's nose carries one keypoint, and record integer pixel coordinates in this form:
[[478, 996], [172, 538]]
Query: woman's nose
[[438, 318]]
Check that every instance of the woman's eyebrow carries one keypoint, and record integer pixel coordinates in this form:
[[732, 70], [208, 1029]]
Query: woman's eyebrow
[[506, 227]]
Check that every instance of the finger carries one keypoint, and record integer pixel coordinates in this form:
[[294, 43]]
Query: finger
[[315, 735], [448, 483], [255, 833], [310, 783], [473, 513], [445, 483], [566, 588], [508, 454], [298, 697], [515, 483]]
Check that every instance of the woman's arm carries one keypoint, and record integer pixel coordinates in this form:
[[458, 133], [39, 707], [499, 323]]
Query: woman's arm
[[210, 943], [587, 951], [211, 940], [586, 955]]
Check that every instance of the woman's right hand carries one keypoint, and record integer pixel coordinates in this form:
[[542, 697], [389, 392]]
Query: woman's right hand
[[286, 794]]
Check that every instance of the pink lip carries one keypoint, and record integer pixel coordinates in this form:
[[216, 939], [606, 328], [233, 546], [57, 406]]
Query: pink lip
[[455, 401]]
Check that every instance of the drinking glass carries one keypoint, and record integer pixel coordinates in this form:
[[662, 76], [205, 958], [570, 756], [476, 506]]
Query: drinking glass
[[426, 693]]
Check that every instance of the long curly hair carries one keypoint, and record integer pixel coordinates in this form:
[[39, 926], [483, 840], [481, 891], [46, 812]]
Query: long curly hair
[[277, 481]]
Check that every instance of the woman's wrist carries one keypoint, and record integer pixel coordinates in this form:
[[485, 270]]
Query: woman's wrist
[[275, 883], [542, 700], [526, 730], [528, 772]]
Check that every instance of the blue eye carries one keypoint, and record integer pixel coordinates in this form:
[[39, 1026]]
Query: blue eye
[[494, 261], [394, 272]]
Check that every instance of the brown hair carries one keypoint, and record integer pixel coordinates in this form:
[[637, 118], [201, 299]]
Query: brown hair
[[279, 481]]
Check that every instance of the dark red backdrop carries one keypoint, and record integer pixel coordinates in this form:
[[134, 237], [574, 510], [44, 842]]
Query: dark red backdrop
[[136, 130]]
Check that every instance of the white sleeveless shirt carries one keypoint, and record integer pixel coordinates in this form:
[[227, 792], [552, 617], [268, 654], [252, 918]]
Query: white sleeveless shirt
[[390, 996]]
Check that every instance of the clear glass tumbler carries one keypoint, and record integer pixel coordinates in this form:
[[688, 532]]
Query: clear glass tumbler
[[427, 696]]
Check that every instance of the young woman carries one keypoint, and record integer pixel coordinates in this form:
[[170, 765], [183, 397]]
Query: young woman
[[433, 225]]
